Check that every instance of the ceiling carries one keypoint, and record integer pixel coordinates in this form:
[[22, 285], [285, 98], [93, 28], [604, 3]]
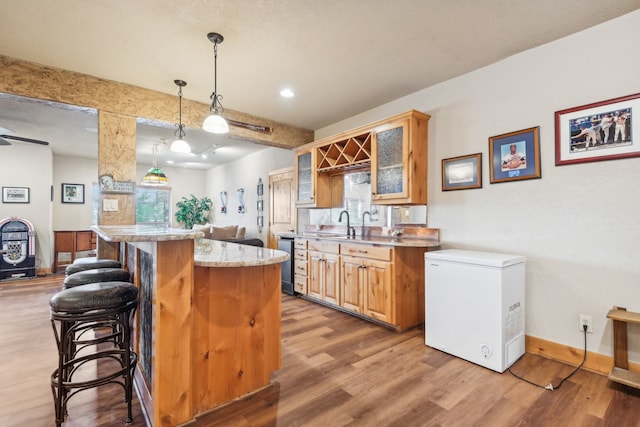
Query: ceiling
[[340, 57]]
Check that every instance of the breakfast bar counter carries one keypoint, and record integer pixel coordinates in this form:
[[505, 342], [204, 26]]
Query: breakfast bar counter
[[208, 322]]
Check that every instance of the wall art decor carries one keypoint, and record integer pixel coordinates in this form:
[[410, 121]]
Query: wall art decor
[[72, 193], [15, 194], [223, 202], [603, 130], [515, 156], [240, 193], [260, 205], [462, 172]]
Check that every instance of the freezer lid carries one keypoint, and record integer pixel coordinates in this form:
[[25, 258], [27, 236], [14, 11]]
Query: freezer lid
[[490, 259]]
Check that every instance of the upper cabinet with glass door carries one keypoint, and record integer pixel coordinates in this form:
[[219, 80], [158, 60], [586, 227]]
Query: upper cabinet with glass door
[[313, 189], [399, 160], [394, 149]]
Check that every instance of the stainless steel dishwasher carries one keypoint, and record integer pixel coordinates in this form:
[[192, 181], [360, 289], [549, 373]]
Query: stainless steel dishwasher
[[286, 244]]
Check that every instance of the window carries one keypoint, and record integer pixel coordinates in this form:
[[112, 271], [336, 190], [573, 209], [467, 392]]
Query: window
[[153, 205]]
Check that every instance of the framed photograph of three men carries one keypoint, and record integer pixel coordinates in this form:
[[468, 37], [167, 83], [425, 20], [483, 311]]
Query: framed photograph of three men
[[603, 130]]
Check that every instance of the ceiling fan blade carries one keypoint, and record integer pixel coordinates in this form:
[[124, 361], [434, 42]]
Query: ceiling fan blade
[[19, 138], [4, 141]]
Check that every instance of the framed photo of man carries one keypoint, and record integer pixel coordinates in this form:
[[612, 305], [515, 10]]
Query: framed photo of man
[[515, 156]]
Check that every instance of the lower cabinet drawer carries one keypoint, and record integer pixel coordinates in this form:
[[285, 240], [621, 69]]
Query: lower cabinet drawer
[[300, 284], [301, 267], [382, 253], [300, 255]]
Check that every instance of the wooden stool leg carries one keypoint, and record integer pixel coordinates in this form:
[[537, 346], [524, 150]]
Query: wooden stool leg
[[620, 350]]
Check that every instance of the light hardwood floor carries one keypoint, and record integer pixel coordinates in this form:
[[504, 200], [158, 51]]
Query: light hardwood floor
[[337, 370]]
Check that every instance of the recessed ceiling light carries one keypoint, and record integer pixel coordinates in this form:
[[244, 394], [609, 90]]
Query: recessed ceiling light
[[170, 162], [286, 93]]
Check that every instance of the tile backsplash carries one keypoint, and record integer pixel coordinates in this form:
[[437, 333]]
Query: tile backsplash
[[357, 200]]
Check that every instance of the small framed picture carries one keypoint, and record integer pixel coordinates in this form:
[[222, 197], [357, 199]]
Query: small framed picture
[[462, 173], [260, 189], [72, 193], [603, 130], [15, 194], [515, 156]]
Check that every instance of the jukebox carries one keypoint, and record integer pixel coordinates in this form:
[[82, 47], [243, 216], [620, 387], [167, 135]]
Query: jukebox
[[18, 248]]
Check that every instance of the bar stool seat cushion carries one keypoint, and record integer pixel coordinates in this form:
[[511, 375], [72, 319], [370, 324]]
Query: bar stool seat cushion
[[97, 263], [96, 275], [94, 296], [85, 260]]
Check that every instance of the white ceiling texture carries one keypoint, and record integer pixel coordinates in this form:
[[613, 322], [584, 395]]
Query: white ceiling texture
[[340, 57]]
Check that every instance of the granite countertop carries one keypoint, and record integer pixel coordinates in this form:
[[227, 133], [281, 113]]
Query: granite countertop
[[143, 233], [217, 253], [375, 240]]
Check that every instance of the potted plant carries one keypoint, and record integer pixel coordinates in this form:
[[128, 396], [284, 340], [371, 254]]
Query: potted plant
[[193, 211]]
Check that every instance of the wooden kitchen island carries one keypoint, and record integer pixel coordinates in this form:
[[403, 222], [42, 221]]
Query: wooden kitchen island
[[208, 322]]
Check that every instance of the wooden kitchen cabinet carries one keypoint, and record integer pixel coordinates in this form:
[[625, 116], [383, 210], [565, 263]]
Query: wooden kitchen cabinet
[[366, 287], [379, 282], [367, 280], [313, 188], [324, 270], [71, 242], [300, 280], [379, 286], [352, 283], [399, 160], [395, 150], [324, 276]]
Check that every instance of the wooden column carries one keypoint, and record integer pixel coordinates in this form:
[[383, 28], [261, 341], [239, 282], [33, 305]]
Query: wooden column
[[116, 157], [172, 390]]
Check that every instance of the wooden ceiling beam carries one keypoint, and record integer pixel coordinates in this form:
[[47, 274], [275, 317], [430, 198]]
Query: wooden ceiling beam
[[32, 80]]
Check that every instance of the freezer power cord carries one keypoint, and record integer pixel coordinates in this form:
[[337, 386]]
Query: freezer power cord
[[550, 386]]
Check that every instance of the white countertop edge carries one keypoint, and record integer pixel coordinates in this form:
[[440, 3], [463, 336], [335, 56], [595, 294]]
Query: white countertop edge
[[143, 233], [216, 253]]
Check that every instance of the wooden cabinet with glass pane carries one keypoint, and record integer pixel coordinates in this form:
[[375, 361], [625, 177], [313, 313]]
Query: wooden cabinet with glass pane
[[399, 160], [394, 149], [313, 188]]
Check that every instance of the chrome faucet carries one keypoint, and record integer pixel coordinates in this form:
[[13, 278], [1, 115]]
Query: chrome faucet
[[351, 232], [365, 213]]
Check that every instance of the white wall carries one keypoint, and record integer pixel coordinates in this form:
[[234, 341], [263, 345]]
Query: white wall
[[30, 165], [244, 173], [73, 170], [578, 226]]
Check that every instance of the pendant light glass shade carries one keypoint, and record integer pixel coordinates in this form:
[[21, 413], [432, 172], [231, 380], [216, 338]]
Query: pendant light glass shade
[[155, 176], [215, 123], [180, 145]]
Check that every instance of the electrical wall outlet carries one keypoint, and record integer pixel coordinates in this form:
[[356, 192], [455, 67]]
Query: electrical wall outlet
[[584, 319]]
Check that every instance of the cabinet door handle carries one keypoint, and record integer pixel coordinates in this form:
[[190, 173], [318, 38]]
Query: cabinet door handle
[[360, 251]]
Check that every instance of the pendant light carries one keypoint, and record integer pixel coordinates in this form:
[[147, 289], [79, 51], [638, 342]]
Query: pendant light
[[155, 176], [215, 123], [180, 145]]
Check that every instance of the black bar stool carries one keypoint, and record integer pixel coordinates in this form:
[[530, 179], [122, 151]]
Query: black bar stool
[[80, 265], [96, 275], [75, 310]]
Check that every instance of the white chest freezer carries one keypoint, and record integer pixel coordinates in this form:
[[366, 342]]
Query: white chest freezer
[[475, 306]]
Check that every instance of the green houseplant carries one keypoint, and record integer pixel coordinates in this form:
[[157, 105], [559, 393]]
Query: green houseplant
[[193, 210]]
